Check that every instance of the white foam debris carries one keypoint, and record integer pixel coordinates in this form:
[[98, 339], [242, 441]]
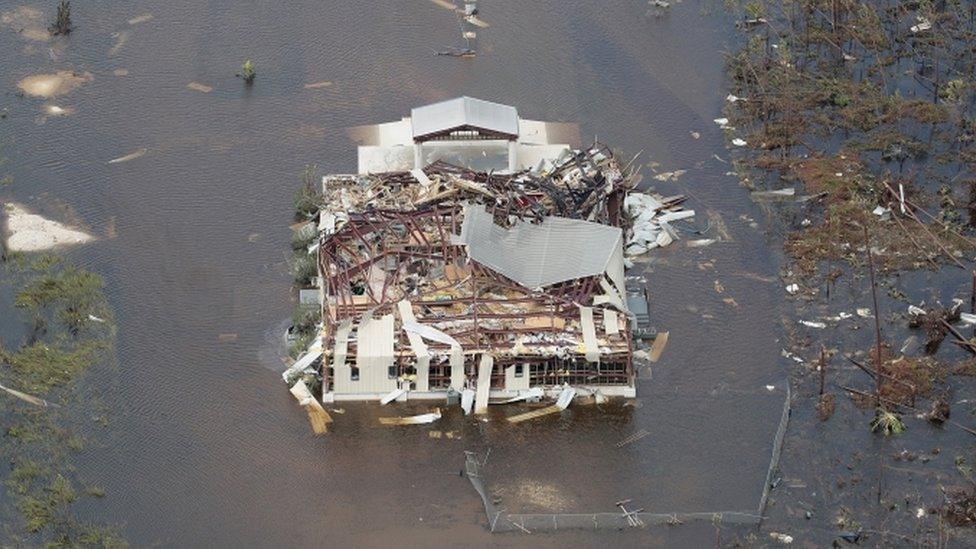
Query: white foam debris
[[651, 223], [739, 142], [29, 232], [813, 324]]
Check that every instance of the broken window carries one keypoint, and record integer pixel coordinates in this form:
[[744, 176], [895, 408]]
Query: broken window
[[391, 372], [518, 370], [354, 374]]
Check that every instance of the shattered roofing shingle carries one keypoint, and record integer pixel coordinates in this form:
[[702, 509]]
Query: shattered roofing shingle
[[464, 111], [539, 254]]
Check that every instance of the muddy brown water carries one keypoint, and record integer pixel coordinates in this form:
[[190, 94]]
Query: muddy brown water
[[205, 446]]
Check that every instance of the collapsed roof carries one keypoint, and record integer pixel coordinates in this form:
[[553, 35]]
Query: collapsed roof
[[454, 264]]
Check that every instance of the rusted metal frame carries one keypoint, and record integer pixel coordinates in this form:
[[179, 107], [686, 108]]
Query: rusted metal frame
[[409, 225], [338, 294]]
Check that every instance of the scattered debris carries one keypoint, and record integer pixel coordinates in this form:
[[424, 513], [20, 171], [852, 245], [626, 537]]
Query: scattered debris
[[131, 156], [701, 243], [144, 18], [196, 86], [923, 25], [413, 420], [813, 324], [317, 416], [29, 398], [778, 194], [670, 176], [563, 402], [393, 395], [633, 438], [657, 348], [781, 538], [739, 142], [792, 289], [121, 38]]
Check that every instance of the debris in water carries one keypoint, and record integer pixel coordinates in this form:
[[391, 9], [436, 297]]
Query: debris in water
[[657, 348], [413, 420], [813, 324], [94, 318], [670, 176], [792, 289], [317, 416], [393, 395], [722, 122], [29, 398], [317, 85], [121, 72], [54, 110], [28, 232], [923, 25], [51, 85], [141, 19], [128, 157], [120, 39], [782, 538], [633, 438], [701, 243], [739, 142], [199, 87], [778, 194], [732, 99]]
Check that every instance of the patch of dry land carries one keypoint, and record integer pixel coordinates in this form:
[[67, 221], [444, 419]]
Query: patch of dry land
[[29, 232], [51, 85]]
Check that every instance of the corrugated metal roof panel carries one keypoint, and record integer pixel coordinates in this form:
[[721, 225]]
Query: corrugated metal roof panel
[[464, 111], [537, 255]]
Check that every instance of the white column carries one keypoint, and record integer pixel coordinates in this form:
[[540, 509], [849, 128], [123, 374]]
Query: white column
[[512, 156]]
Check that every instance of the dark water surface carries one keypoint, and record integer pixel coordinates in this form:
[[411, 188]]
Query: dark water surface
[[206, 446]]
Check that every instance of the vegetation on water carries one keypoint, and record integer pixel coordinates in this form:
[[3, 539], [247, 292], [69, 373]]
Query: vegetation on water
[[62, 22], [308, 197], [867, 109], [247, 72], [70, 330], [857, 104]]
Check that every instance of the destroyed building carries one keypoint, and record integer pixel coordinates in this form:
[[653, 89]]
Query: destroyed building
[[486, 283]]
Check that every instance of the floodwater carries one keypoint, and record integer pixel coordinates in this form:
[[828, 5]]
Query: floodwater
[[205, 445]]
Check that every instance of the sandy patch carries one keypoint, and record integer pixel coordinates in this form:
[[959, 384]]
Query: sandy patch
[[28, 232], [141, 19], [200, 87], [26, 21], [50, 85]]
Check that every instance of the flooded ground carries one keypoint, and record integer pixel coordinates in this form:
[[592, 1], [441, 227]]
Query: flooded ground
[[204, 442]]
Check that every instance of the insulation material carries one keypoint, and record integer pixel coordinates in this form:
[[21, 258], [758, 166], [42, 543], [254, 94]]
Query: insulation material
[[590, 345], [610, 325], [484, 383]]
